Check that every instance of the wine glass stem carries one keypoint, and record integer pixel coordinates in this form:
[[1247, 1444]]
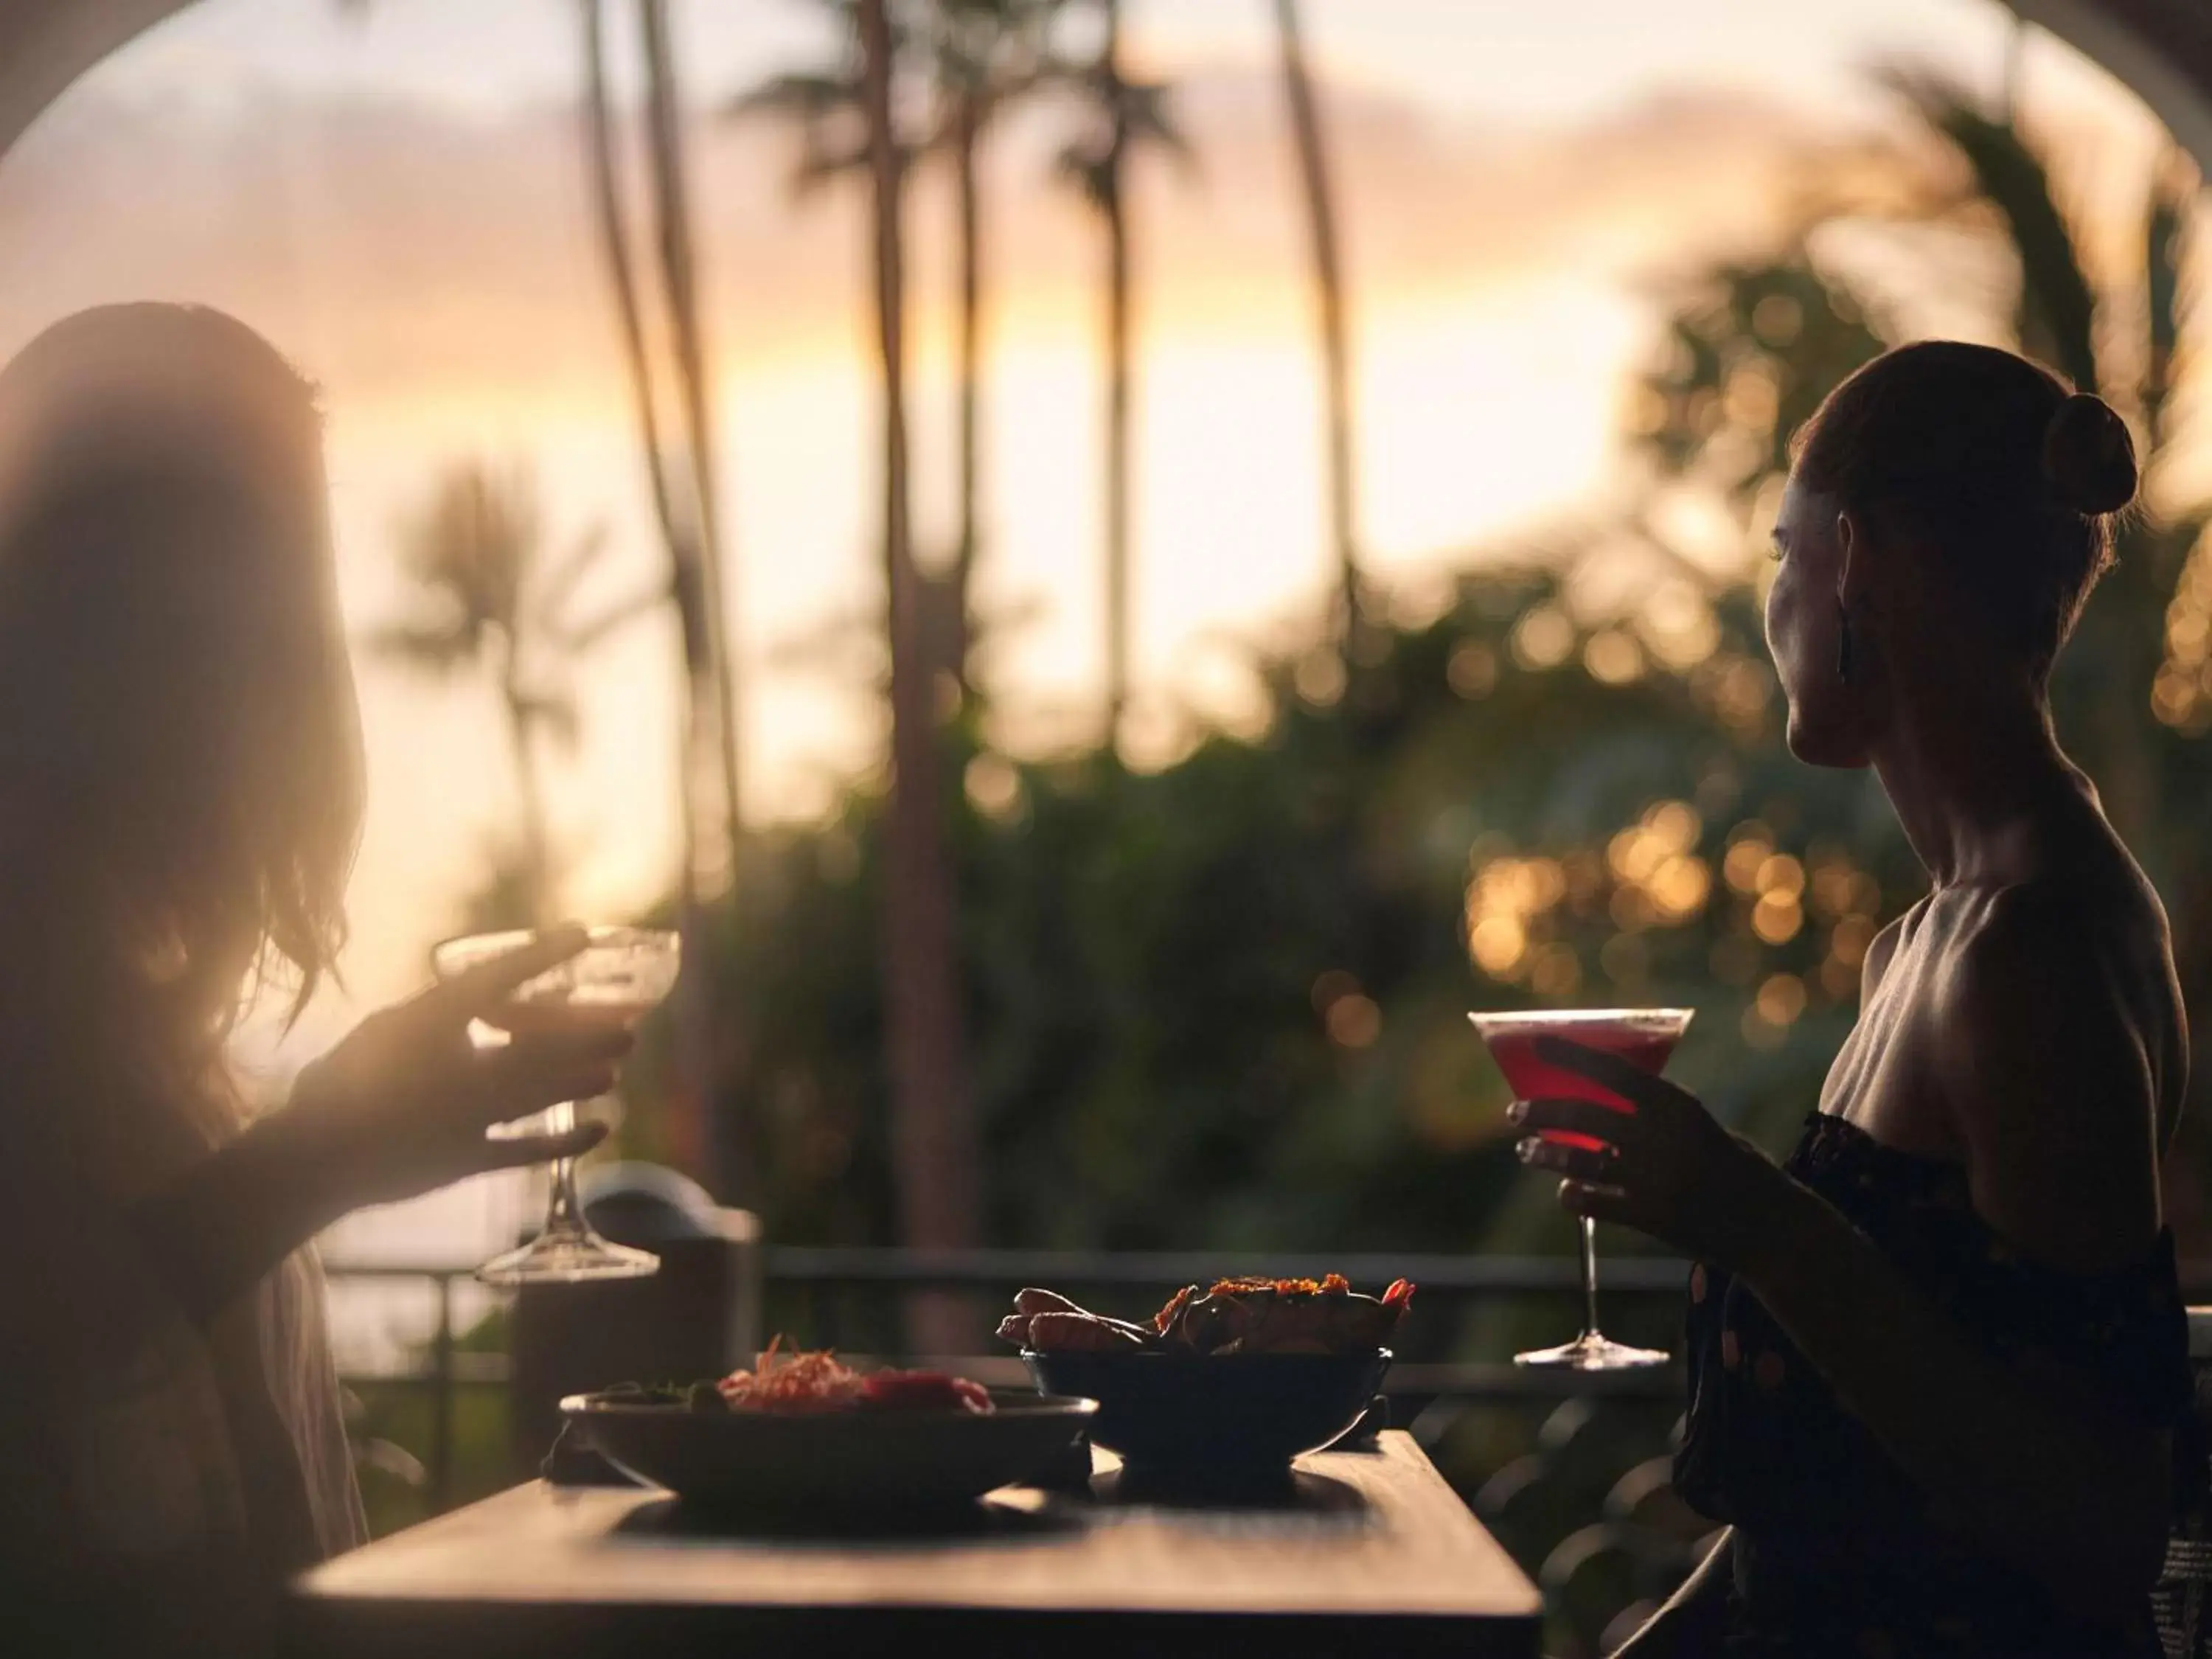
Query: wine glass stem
[[563, 1215], [1589, 1278]]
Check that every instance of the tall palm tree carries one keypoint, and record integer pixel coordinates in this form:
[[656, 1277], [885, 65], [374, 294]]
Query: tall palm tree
[[987, 54], [1328, 291], [1125, 118], [489, 598], [933, 1130], [708, 769], [825, 107], [982, 56], [845, 116], [682, 484], [680, 285]]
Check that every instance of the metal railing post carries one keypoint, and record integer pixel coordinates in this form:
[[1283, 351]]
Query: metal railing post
[[441, 1401]]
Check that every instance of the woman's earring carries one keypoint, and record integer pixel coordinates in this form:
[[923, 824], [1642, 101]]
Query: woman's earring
[[1842, 641]]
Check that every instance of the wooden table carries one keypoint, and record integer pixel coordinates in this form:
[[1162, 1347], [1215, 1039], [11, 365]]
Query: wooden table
[[1369, 1552]]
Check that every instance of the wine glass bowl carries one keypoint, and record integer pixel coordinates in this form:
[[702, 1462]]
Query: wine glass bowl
[[1645, 1037], [621, 973], [626, 970]]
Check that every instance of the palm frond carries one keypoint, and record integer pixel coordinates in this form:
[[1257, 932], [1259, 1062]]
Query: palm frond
[[831, 126], [2165, 230], [820, 166], [1148, 122], [473, 542], [986, 53], [794, 96], [2058, 308], [1089, 167]]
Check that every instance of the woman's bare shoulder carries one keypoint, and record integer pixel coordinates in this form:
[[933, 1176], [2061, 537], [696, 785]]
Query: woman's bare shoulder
[[2059, 1047], [2087, 947]]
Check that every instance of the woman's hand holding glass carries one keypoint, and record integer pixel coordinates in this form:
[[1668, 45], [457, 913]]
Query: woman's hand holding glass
[[1669, 1169], [400, 1107]]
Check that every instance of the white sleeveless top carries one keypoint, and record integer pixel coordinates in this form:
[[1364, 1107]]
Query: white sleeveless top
[[164, 1475]]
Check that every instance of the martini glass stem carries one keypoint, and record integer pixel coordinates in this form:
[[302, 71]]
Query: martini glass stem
[[564, 1215], [1589, 1278]]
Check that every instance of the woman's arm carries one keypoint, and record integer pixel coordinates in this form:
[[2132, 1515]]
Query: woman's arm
[[2030, 1467], [2048, 1080], [398, 1107], [2046, 1076], [1692, 1624], [233, 1216]]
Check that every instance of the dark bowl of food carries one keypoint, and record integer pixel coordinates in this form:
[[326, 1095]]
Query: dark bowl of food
[[807, 1434], [1234, 1412], [1239, 1379]]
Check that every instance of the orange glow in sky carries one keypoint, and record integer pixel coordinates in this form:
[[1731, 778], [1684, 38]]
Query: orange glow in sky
[[417, 238]]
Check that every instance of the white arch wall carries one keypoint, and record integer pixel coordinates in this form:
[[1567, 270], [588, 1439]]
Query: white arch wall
[[2173, 77], [45, 45]]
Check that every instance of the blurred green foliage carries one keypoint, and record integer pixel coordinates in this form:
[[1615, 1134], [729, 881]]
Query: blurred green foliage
[[396, 1414], [1220, 1003], [1223, 1004]]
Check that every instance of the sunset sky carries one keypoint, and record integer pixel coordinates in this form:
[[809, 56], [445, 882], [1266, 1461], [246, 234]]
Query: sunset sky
[[393, 194]]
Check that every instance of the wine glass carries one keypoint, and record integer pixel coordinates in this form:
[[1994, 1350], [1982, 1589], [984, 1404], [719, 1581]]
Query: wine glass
[[620, 974], [1642, 1036]]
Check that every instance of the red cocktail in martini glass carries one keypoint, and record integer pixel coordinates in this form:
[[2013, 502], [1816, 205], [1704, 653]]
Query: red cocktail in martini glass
[[1644, 1037]]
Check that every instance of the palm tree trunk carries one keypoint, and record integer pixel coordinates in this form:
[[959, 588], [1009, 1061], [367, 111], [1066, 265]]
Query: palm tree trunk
[[614, 244], [693, 1001], [1117, 389], [968, 206], [934, 1137], [679, 272], [1329, 286]]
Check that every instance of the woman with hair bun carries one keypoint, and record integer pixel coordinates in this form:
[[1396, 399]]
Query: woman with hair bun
[[1940, 1391]]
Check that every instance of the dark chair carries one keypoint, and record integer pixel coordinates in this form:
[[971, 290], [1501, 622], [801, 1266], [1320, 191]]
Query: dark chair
[[699, 1316]]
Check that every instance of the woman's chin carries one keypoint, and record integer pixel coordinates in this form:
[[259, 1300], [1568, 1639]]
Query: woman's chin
[[1819, 744]]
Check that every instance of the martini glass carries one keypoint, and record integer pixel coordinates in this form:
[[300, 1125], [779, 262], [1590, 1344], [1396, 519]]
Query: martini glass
[[620, 975], [1642, 1036]]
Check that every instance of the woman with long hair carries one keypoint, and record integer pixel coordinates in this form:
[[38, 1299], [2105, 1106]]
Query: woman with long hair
[[1939, 1376], [180, 795]]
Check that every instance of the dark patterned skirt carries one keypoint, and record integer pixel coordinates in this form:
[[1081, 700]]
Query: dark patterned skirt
[[1798, 1601]]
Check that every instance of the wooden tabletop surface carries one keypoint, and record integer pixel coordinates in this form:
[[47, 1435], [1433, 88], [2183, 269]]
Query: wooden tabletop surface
[[1369, 1551]]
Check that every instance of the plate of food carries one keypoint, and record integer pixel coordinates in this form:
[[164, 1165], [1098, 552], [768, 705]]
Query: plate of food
[[1242, 1376], [805, 1431]]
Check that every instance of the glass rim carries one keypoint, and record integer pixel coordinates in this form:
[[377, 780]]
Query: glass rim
[[1504, 1019], [496, 942]]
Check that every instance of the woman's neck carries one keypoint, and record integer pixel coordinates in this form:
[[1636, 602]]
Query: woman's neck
[[1972, 773]]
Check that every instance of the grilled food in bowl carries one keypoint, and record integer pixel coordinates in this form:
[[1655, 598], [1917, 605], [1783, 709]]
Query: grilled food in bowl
[[805, 1433], [1242, 1378]]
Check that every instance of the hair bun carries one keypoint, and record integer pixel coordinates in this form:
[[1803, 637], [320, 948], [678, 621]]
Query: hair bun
[[2088, 458]]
